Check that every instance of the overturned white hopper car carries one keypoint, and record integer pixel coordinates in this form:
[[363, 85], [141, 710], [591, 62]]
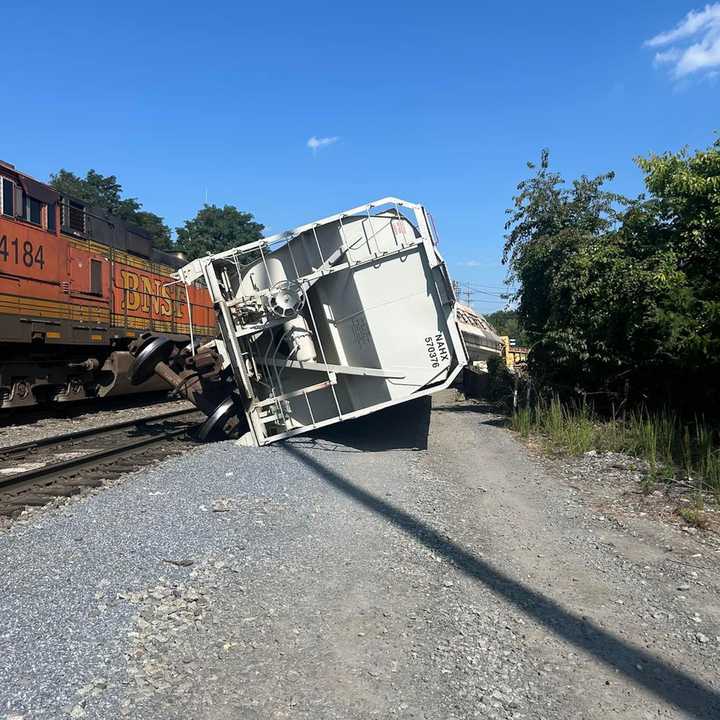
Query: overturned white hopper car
[[334, 319]]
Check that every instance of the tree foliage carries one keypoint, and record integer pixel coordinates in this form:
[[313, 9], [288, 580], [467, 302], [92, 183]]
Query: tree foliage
[[215, 229], [104, 191], [507, 322], [618, 294]]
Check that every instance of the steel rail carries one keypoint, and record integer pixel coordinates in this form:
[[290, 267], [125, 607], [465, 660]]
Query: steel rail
[[28, 478], [76, 434]]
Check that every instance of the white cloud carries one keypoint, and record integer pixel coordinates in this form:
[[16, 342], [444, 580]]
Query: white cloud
[[699, 28], [315, 143], [471, 263]]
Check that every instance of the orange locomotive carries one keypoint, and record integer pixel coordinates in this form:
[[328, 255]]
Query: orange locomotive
[[77, 286]]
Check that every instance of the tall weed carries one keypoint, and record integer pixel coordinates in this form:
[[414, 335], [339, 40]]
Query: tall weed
[[668, 445]]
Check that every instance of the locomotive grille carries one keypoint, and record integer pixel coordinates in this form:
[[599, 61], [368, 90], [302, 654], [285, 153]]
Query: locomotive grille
[[73, 217]]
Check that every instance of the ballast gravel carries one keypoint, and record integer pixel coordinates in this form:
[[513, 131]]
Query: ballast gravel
[[405, 565], [31, 427]]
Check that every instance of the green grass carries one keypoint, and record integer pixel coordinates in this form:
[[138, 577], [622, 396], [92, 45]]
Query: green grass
[[693, 514], [670, 447], [522, 421], [568, 428]]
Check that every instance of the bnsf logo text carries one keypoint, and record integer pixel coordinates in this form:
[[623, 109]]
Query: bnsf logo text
[[146, 293]]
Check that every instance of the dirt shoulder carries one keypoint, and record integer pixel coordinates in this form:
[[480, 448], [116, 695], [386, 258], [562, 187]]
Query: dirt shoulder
[[621, 581]]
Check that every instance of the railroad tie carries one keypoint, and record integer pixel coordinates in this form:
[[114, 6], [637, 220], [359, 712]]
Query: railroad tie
[[88, 481], [33, 500]]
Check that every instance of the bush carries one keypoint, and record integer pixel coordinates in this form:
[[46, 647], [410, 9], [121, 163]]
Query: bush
[[620, 298], [501, 383]]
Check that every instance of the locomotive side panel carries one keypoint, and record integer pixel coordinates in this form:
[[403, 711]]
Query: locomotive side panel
[[87, 273], [27, 252], [31, 264], [46, 291], [145, 297], [76, 286], [43, 323]]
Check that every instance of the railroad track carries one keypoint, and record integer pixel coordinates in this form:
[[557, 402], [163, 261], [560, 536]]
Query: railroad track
[[61, 411], [36, 472]]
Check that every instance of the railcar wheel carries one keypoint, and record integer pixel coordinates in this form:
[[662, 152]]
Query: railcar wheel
[[215, 422], [153, 351]]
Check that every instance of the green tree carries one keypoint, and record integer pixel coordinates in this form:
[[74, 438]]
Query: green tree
[[559, 237], [617, 293], [682, 218], [507, 322], [215, 229], [101, 191]]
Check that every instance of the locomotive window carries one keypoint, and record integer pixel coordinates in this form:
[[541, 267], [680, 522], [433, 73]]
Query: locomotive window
[[33, 210], [8, 196], [95, 277]]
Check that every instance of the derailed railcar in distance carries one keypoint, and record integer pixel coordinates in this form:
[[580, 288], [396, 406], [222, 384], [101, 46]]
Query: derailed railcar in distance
[[481, 340]]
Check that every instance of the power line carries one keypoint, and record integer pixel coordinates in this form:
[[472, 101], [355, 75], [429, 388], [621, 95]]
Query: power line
[[466, 292], [486, 290]]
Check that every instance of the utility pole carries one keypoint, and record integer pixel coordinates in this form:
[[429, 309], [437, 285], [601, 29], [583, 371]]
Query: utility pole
[[461, 291]]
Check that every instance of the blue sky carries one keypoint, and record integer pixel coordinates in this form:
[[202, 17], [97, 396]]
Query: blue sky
[[441, 103]]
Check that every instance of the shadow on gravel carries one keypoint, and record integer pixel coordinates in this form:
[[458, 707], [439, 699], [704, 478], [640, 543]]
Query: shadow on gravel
[[659, 677], [501, 422], [480, 408], [483, 408], [409, 423]]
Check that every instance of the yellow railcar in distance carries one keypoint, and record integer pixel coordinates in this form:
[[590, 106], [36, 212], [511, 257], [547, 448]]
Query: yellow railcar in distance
[[513, 354]]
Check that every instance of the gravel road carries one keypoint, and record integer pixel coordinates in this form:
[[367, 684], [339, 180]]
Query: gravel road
[[411, 565]]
